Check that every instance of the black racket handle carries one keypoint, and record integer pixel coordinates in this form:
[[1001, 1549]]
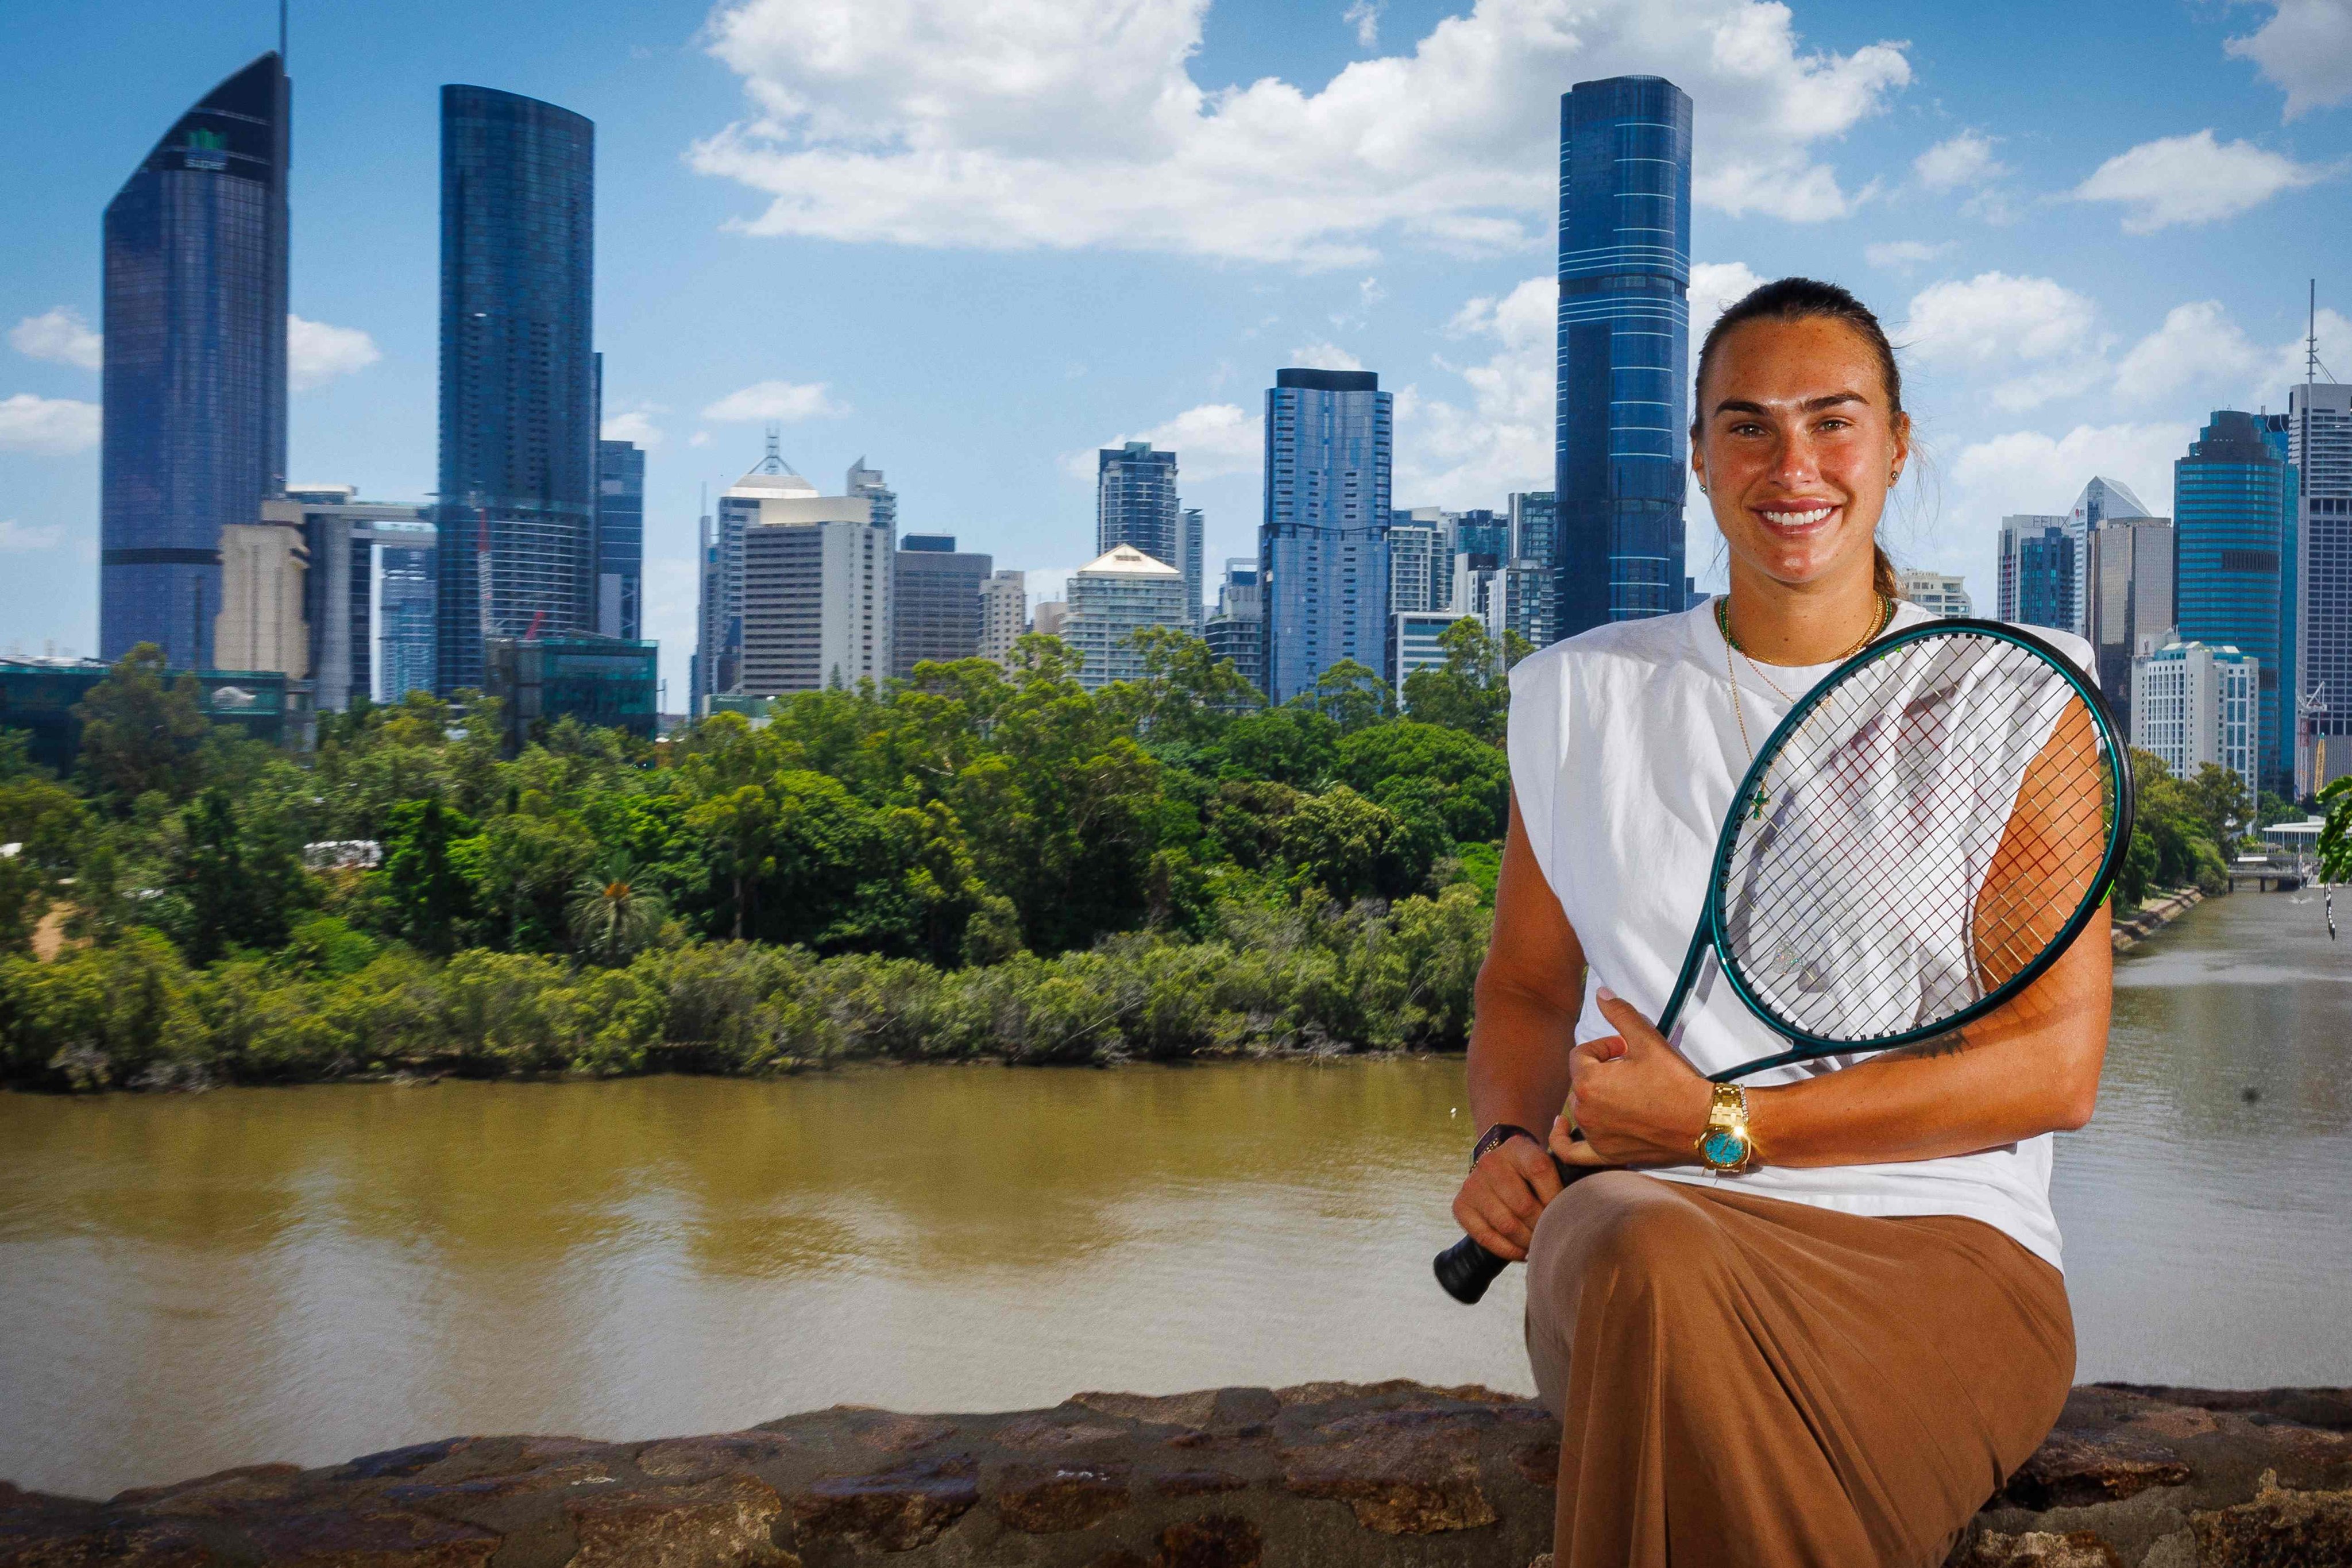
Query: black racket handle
[[1465, 1270]]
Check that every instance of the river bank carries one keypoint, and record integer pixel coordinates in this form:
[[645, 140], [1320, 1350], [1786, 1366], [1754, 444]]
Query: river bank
[[1316, 1476], [2153, 915]]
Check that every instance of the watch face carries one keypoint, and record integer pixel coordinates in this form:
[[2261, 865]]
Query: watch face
[[1722, 1148]]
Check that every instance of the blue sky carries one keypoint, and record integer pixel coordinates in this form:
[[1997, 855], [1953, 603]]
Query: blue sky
[[973, 242]]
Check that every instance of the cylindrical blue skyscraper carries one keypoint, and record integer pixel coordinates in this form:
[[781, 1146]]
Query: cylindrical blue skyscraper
[[195, 363], [518, 543], [1622, 447]]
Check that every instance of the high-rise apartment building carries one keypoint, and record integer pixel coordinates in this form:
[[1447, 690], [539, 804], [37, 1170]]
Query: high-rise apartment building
[[517, 477], [2101, 499], [935, 608], [882, 502], [2036, 582], [1534, 524], [2233, 508], [1238, 631], [2193, 704], [2127, 597], [620, 539], [1481, 532], [2319, 430], [1937, 593], [1622, 458], [816, 576], [1004, 613], [1421, 566], [1112, 598], [195, 363], [1508, 595], [1190, 564], [1323, 547], [1136, 503], [364, 596]]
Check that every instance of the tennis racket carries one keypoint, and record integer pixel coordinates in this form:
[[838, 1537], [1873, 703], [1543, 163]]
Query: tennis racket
[[1922, 836]]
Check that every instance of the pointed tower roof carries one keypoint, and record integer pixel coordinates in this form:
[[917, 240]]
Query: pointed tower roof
[[1127, 561], [772, 476]]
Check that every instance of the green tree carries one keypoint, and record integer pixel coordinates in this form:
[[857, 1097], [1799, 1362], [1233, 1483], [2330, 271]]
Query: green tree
[[428, 853], [2335, 834], [1351, 696], [737, 830], [1352, 848], [1187, 695], [613, 913], [1471, 690], [139, 734], [2221, 804], [1471, 780], [238, 882], [1293, 745]]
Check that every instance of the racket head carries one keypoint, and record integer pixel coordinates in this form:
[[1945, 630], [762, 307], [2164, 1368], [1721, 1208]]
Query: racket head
[[1920, 840]]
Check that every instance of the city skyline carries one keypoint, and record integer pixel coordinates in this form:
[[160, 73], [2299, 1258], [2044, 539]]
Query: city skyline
[[2050, 338]]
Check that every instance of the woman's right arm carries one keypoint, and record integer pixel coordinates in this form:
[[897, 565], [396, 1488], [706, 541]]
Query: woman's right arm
[[1524, 1023]]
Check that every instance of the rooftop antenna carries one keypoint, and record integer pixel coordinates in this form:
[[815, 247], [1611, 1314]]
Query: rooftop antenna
[[774, 463], [281, 35]]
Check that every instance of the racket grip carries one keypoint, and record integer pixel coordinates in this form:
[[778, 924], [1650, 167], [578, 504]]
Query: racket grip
[[1466, 1269]]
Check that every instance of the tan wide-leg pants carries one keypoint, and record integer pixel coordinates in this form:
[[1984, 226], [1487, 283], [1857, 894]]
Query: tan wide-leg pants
[[1747, 1381]]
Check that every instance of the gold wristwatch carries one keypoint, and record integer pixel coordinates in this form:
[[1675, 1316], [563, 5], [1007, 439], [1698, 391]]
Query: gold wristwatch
[[1723, 1146]]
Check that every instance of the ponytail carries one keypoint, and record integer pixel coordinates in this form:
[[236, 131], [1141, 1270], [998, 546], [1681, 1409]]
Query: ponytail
[[1881, 573]]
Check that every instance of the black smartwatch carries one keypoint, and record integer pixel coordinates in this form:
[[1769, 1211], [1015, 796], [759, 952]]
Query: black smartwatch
[[1494, 1137]]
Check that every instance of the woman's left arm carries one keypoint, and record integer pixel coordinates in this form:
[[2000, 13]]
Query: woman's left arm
[[2028, 1067]]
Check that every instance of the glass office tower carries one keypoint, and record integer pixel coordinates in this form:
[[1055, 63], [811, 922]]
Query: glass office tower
[[1323, 547], [195, 363], [2233, 511], [620, 539], [1621, 454], [518, 495]]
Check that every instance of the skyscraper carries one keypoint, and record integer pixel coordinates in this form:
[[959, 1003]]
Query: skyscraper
[[2234, 505], [518, 495], [1004, 613], [194, 422], [1622, 458], [2126, 598], [2102, 498], [2319, 426], [2036, 572], [1238, 631], [1323, 555], [882, 502], [407, 594], [620, 539], [1136, 503], [1189, 559], [935, 600], [1420, 568], [817, 571], [365, 555], [1112, 598]]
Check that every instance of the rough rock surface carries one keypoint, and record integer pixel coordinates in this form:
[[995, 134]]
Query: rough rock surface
[[1314, 1476]]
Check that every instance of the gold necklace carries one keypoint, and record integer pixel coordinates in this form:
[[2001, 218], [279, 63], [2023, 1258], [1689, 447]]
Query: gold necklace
[[1723, 624]]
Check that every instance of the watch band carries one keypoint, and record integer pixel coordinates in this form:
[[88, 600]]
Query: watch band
[[1498, 1135]]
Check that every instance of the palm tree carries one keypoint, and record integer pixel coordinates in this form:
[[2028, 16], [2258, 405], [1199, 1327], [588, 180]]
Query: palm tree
[[613, 913]]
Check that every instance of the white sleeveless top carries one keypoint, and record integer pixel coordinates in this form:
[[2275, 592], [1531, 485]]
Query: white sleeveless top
[[1624, 753]]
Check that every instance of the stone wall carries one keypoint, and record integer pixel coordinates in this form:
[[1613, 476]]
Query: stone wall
[[1314, 1476]]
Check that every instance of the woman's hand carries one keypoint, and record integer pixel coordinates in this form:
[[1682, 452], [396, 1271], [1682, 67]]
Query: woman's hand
[[1497, 1208], [1635, 1101]]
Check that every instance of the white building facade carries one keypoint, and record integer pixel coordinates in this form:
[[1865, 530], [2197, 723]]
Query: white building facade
[[2193, 704], [816, 574], [1111, 598], [1004, 613], [1937, 593]]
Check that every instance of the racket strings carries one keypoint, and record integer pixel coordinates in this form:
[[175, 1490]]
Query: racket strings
[[1920, 837]]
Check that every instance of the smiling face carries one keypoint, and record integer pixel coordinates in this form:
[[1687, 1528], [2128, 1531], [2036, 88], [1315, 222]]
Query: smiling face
[[1797, 447]]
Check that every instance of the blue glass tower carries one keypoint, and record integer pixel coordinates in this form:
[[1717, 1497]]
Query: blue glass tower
[[620, 539], [2234, 514], [1622, 452], [196, 247], [1323, 555], [517, 497]]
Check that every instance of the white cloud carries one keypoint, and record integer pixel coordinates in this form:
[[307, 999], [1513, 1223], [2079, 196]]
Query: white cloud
[[2036, 334], [2286, 366], [2306, 49], [1449, 455], [1210, 442], [1032, 125], [16, 538], [2192, 180], [1715, 288], [2032, 471], [1364, 15], [634, 424], [1903, 254], [1323, 356], [2197, 346], [317, 354], [1963, 159], [699, 438], [53, 427], [58, 334], [783, 400]]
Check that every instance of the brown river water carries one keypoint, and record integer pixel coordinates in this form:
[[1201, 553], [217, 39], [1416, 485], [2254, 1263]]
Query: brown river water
[[189, 1282]]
